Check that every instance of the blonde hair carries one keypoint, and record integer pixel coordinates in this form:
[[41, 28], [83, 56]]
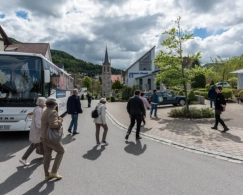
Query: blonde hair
[[41, 101]]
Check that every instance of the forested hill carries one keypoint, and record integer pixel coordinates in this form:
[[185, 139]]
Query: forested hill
[[72, 64]]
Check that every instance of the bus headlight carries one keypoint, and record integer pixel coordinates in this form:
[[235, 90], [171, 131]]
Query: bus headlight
[[29, 116]]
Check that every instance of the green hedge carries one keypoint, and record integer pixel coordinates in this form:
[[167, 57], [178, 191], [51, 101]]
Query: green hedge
[[227, 93], [194, 112], [191, 96]]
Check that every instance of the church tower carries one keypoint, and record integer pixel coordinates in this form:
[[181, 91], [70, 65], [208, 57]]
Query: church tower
[[106, 76]]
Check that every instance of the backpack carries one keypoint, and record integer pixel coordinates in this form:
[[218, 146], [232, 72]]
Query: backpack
[[94, 113]]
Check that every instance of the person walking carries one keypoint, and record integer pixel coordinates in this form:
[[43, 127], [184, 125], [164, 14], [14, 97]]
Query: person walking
[[74, 108], [136, 111], [154, 103], [35, 127], [212, 96], [51, 119], [146, 105], [101, 121], [89, 97], [220, 105]]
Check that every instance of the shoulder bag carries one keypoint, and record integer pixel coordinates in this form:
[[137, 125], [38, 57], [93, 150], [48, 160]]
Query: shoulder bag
[[54, 135]]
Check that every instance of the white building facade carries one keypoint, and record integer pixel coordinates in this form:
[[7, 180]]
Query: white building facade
[[143, 72]]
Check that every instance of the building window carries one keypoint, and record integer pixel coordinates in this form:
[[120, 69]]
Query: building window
[[140, 86], [145, 63], [149, 84]]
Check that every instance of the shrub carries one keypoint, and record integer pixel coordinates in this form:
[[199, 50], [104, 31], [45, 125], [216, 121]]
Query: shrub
[[207, 87], [194, 112], [180, 92], [108, 98], [199, 81], [227, 93], [82, 97], [113, 99], [191, 95], [240, 92], [172, 92]]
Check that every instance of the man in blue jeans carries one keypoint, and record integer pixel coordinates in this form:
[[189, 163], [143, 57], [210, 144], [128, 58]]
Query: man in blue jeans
[[74, 108], [154, 103]]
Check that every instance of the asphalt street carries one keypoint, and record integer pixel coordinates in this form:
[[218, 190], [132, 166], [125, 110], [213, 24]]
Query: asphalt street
[[132, 167]]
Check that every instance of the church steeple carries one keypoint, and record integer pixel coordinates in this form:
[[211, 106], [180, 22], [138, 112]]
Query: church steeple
[[106, 62]]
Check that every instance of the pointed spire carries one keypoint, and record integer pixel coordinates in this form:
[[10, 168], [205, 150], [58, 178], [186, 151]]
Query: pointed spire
[[106, 62]]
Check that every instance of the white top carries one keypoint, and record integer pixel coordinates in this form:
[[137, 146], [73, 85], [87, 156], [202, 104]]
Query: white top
[[102, 112], [35, 126], [145, 103]]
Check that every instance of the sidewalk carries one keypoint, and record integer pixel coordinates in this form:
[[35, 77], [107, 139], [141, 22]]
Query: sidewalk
[[195, 134]]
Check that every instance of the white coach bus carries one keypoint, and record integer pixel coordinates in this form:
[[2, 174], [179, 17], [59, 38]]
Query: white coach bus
[[23, 78]]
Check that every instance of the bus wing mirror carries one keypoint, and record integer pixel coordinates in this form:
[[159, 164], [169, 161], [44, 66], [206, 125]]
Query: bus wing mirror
[[46, 76]]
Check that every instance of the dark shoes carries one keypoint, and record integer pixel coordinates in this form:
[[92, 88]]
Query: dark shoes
[[69, 131], [139, 137], [126, 137], [225, 129], [214, 127], [74, 133]]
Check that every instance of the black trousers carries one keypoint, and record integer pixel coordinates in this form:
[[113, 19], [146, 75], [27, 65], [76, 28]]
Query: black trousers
[[89, 103], [138, 119], [219, 120]]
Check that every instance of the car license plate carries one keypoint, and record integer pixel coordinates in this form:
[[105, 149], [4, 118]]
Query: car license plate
[[4, 127]]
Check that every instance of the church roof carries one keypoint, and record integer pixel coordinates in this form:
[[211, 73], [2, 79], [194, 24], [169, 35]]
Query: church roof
[[106, 62]]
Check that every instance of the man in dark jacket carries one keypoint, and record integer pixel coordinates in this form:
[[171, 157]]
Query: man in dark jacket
[[154, 103], [220, 105], [89, 97], [135, 109], [74, 108], [212, 96]]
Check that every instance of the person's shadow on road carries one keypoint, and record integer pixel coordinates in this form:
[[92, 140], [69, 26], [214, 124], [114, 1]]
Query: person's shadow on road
[[68, 139], [94, 153], [19, 177], [36, 190], [135, 148]]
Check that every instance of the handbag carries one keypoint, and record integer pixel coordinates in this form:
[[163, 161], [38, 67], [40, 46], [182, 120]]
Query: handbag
[[54, 135], [39, 149]]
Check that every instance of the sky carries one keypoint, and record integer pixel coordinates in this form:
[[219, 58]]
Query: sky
[[129, 28]]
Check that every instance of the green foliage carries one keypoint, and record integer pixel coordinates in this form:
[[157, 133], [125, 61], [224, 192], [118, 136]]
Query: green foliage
[[233, 82], [207, 87], [87, 82], [240, 92], [127, 92], [172, 92], [180, 92], [227, 93], [193, 112], [173, 65], [113, 99], [191, 96], [212, 83], [82, 97], [108, 98], [60, 57], [117, 85], [199, 81]]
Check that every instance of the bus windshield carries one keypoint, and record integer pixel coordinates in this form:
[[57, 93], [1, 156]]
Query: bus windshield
[[20, 80]]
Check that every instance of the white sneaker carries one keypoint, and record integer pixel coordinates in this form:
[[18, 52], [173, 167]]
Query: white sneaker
[[103, 143], [24, 162]]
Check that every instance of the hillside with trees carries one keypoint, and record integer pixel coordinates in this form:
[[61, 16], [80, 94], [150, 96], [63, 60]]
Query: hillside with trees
[[74, 65]]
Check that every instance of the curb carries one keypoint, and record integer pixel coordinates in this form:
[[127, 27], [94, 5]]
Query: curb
[[190, 148]]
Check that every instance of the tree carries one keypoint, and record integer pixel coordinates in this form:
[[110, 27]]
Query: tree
[[96, 86], [117, 85], [173, 65], [87, 82]]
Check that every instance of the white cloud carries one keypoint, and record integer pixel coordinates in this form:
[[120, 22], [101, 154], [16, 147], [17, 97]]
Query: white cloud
[[129, 28]]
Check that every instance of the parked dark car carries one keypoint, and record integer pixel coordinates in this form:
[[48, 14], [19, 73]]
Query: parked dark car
[[167, 98]]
